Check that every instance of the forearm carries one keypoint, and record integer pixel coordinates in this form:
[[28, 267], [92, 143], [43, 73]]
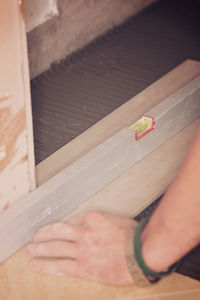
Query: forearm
[[174, 228]]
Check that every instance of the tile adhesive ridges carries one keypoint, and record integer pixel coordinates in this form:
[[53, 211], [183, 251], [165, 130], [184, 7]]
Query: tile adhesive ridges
[[91, 83]]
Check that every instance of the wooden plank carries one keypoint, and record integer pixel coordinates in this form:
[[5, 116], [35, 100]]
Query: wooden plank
[[17, 282], [17, 176], [139, 186], [88, 175]]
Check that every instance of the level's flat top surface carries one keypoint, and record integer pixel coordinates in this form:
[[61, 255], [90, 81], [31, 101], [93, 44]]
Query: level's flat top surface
[[90, 84]]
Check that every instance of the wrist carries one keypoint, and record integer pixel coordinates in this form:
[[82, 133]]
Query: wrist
[[138, 267], [156, 251], [159, 247], [135, 271], [163, 243]]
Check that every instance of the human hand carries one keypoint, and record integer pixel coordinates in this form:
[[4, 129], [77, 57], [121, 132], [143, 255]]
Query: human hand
[[92, 248]]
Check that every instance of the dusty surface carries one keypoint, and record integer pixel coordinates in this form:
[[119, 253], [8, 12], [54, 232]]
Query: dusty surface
[[16, 158]]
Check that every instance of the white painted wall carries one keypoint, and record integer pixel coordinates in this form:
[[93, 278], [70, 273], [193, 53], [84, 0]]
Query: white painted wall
[[38, 12]]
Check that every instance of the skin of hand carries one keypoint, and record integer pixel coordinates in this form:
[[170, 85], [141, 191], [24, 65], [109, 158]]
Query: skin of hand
[[174, 228], [93, 248]]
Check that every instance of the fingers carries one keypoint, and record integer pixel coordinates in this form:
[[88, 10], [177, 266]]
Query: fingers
[[59, 249], [78, 219], [56, 266], [57, 231]]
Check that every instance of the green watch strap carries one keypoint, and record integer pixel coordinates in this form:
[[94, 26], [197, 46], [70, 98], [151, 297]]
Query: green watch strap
[[138, 254]]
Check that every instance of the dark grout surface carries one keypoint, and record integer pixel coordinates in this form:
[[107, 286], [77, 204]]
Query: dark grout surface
[[91, 83]]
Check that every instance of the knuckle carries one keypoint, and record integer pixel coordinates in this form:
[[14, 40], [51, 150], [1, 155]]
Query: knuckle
[[56, 226], [93, 214], [86, 233], [37, 249]]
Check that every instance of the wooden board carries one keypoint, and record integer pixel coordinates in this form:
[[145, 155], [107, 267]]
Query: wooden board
[[21, 284], [98, 168], [138, 187], [18, 283], [16, 137]]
